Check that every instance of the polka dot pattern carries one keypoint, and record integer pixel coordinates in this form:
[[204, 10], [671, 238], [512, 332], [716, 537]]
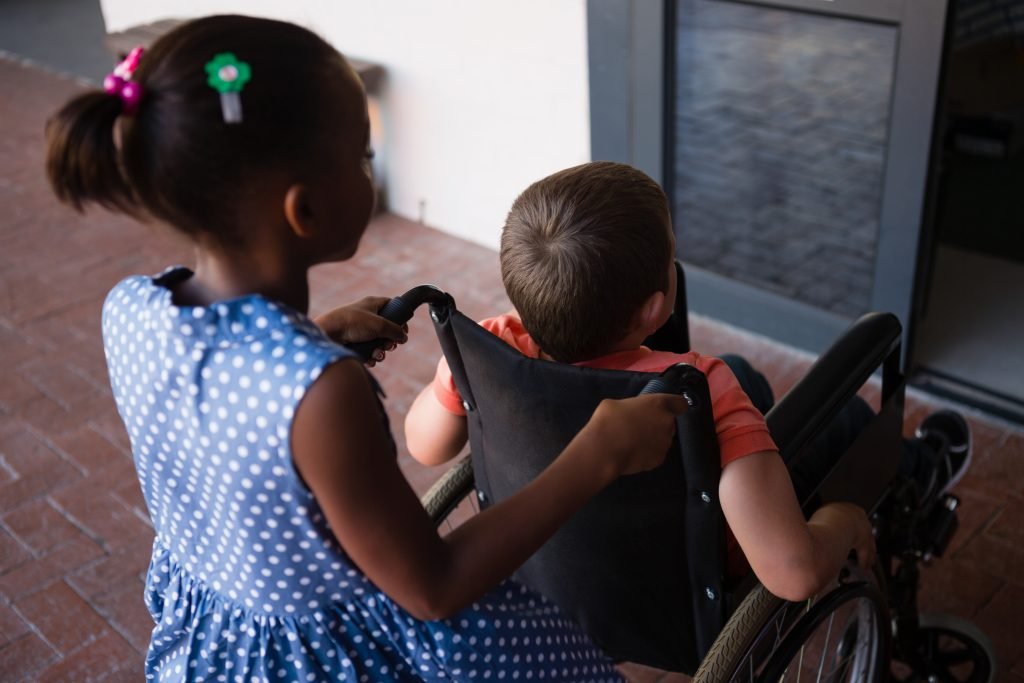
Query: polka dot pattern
[[247, 582]]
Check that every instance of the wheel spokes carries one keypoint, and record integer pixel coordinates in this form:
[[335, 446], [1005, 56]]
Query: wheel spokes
[[824, 649]]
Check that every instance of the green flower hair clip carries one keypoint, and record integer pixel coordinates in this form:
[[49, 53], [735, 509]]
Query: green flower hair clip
[[228, 75]]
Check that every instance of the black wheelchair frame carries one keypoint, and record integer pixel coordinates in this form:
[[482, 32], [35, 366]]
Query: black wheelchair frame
[[867, 627]]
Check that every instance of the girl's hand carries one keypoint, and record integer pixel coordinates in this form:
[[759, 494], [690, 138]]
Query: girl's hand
[[359, 322], [634, 434]]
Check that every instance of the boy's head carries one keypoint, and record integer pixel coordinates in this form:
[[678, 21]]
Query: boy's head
[[582, 253]]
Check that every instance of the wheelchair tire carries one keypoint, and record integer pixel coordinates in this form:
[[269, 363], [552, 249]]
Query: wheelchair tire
[[767, 636], [949, 649], [738, 636], [448, 491]]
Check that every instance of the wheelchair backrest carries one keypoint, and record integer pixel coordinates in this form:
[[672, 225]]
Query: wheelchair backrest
[[640, 567]]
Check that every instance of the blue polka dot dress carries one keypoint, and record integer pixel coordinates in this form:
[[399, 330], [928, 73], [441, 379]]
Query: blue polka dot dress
[[247, 582]]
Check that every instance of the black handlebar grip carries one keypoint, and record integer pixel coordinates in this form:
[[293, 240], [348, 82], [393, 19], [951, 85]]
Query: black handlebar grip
[[672, 380], [399, 310]]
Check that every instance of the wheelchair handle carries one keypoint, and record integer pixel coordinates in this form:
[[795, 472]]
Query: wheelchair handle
[[673, 380], [399, 310]]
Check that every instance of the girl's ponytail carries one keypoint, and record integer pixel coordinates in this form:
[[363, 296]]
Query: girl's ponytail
[[82, 160]]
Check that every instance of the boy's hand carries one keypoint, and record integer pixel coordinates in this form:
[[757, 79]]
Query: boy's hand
[[359, 322], [863, 536], [852, 521], [635, 433]]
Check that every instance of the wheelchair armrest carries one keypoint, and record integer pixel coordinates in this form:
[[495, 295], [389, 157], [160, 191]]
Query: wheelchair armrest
[[871, 342]]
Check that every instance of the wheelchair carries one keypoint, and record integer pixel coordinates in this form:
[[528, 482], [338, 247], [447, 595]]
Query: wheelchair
[[641, 566]]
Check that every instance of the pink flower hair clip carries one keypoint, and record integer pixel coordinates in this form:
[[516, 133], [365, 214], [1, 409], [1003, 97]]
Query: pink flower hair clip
[[119, 82]]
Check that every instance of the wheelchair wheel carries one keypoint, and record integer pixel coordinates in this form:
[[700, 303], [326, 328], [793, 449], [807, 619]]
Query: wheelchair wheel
[[947, 649], [448, 501], [841, 636]]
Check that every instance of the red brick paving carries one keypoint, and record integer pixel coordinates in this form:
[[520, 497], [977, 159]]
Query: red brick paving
[[74, 538]]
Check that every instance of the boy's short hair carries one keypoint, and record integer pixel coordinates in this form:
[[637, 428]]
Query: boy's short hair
[[581, 251]]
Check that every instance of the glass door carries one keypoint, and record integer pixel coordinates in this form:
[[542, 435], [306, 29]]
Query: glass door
[[795, 137]]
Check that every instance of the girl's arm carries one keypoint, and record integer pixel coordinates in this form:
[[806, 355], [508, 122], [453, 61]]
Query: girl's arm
[[433, 435], [793, 558], [339, 446]]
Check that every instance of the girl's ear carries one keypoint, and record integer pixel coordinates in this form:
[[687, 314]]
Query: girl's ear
[[298, 210]]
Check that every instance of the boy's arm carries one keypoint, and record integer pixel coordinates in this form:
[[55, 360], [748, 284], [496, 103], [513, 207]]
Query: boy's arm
[[433, 434], [793, 558], [435, 427]]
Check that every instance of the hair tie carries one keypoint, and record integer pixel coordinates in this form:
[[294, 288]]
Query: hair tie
[[119, 82]]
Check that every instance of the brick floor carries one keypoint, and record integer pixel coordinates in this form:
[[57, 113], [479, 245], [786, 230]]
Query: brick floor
[[74, 537]]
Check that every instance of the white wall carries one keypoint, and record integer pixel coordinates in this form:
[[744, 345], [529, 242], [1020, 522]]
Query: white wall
[[481, 97]]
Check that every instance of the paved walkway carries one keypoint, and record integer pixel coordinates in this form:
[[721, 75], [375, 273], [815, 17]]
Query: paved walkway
[[74, 535]]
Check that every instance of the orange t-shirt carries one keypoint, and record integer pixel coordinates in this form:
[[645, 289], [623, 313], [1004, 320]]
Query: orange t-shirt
[[740, 426]]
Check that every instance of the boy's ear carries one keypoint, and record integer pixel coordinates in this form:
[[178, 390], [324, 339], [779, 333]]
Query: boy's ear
[[298, 210], [649, 317]]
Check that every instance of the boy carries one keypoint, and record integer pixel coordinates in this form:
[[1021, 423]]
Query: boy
[[587, 259]]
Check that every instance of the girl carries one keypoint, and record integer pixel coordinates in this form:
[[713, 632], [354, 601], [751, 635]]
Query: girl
[[288, 545]]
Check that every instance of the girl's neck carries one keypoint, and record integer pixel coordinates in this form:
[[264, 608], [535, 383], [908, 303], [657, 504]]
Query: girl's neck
[[221, 275]]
